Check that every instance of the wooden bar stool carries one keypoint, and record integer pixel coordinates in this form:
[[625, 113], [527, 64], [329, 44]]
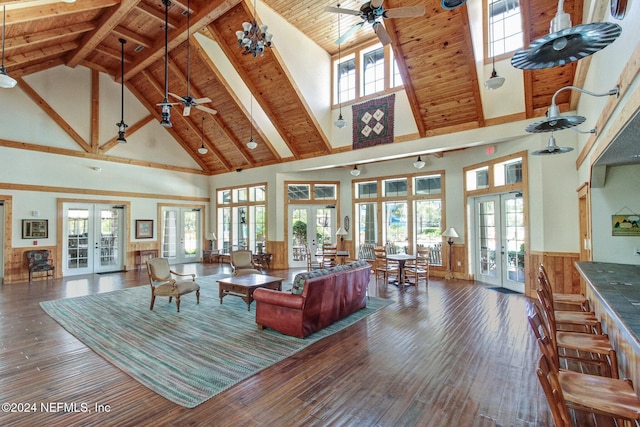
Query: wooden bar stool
[[583, 392], [580, 302], [568, 320], [590, 349]]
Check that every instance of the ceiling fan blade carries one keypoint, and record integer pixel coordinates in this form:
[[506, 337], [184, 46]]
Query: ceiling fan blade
[[201, 100], [176, 96], [382, 33], [376, 3], [171, 104], [187, 110], [405, 12], [349, 32], [341, 10], [207, 109]]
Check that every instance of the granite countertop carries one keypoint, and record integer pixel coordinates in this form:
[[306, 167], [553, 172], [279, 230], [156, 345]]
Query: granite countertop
[[619, 286]]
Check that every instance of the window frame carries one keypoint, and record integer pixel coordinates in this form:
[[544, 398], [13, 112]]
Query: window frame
[[489, 39]]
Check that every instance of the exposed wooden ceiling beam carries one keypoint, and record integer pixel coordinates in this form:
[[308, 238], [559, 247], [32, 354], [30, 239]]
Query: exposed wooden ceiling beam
[[214, 10], [57, 10], [132, 37], [40, 55], [32, 40], [51, 112], [109, 20]]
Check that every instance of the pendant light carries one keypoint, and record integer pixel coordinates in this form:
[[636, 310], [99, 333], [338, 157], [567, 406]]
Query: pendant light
[[202, 149], [6, 81], [494, 81], [340, 123], [251, 144], [122, 126], [551, 148], [565, 43], [419, 164], [166, 105], [355, 171]]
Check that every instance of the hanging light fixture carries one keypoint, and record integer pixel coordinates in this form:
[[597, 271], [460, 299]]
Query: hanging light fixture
[[355, 171], [166, 105], [202, 149], [340, 123], [419, 164], [6, 81], [251, 144], [555, 121], [254, 38], [565, 43], [552, 148], [122, 126], [494, 81]]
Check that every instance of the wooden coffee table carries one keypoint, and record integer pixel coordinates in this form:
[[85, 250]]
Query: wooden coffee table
[[243, 286]]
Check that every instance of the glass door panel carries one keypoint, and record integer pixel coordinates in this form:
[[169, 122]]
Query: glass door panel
[[396, 231], [93, 239], [180, 230], [500, 240], [309, 225]]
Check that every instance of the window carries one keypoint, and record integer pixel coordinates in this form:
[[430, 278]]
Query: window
[[299, 192], [509, 172], [366, 72], [395, 187], [478, 179], [401, 211], [373, 71], [324, 192], [346, 79], [504, 27], [242, 221], [427, 185], [365, 190]]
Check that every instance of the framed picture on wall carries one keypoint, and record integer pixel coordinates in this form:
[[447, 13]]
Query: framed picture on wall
[[144, 228], [35, 228]]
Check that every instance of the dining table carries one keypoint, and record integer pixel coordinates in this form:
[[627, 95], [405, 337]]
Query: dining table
[[401, 259]]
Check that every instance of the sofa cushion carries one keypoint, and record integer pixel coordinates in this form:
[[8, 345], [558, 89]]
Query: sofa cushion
[[301, 278]]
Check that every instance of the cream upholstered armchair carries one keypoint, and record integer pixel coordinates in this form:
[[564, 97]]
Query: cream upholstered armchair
[[164, 285], [242, 263]]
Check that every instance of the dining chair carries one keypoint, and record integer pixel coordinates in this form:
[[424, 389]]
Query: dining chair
[[418, 268], [329, 255], [577, 347], [311, 263], [384, 266]]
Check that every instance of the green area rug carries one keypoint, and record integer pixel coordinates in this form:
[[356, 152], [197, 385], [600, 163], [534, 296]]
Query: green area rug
[[187, 357]]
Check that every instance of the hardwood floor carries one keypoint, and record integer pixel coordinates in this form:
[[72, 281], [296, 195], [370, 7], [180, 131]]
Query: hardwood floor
[[452, 354]]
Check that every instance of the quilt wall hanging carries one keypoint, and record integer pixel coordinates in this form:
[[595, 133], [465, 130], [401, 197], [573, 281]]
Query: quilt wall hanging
[[373, 122]]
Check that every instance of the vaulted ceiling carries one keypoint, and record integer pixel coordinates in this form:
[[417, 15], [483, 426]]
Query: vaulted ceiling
[[434, 53]]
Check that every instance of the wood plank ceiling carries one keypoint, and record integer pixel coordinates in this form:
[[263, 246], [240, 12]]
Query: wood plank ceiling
[[434, 53]]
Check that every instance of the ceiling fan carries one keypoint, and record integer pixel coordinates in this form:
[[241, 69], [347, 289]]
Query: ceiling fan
[[188, 101], [373, 13]]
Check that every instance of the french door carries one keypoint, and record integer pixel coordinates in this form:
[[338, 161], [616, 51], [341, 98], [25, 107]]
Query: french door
[[179, 234], [310, 225], [500, 240], [94, 238]]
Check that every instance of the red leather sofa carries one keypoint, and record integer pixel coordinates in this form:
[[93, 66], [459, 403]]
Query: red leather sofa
[[326, 297]]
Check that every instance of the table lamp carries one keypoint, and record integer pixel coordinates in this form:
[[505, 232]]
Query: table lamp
[[450, 234], [341, 232], [212, 237]]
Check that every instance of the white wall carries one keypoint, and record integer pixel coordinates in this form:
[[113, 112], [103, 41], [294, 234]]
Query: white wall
[[620, 195]]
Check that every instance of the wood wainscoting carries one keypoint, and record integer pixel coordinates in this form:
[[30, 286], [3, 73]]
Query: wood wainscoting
[[560, 268], [16, 264]]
